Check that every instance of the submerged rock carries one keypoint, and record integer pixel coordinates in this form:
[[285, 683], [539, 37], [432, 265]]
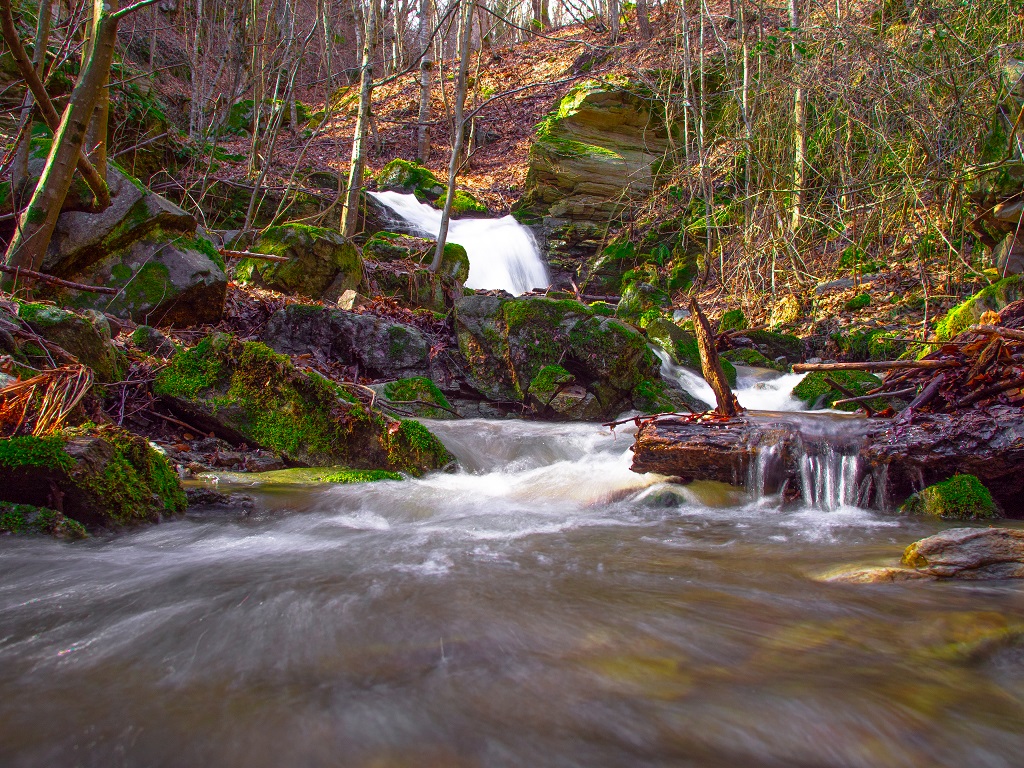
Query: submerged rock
[[105, 479], [247, 393]]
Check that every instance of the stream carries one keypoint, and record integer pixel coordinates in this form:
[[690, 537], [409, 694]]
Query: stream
[[544, 606]]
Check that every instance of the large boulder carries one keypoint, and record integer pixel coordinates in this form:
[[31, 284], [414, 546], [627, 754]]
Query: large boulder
[[86, 336], [379, 347], [319, 260], [509, 346], [162, 279], [990, 299], [247, 393], [81, 239], [107, 479], [601, 144], [414, 179], [962, 497]]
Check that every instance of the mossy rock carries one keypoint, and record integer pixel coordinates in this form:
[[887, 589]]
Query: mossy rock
[[165, 279], [968, 313], [29, 519], [411, 179], [639, 299], [106, 478], [858, 302], [85, 335], [861, 344], [407, 277], [312, 476], [961, 497], [774, 345], [246, 392], [682, 349], [318, 260], [153, 342], [419, 396], [815, 392], [463, 203], [507, 343], [732, 320], [751, 357]]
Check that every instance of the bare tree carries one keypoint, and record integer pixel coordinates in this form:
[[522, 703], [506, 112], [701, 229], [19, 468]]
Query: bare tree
[[350, 210]]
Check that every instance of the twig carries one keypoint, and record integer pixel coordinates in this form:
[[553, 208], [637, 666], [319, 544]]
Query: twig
[[881, 395], [39, 276], [249, 255], [176, 421], [1006, 333]]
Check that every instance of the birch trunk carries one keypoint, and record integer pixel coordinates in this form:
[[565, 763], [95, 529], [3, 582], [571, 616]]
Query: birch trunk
[[799, 127], [350, 211]]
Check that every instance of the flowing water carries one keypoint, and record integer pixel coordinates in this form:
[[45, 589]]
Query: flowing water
[[502, 252], [543, 607]]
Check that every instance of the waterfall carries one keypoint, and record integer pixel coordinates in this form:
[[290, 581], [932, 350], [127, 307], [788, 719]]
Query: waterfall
[[502, 252]]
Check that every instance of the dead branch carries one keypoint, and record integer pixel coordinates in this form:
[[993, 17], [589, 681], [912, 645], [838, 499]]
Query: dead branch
[[50, 279]]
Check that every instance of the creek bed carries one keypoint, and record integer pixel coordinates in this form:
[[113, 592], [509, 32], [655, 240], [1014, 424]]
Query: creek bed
[[545, 607]]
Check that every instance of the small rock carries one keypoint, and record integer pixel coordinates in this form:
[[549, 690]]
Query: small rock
[[350, 300], [969, 553], [150, 340], [877, 575], [263, 463]]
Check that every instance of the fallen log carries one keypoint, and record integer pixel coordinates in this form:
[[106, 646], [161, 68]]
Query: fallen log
[[893, 458], [249, 255], [51, 280], [888, 365], [714, 374]]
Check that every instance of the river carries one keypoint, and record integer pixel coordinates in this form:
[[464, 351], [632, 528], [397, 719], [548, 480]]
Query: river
[[542, 607]]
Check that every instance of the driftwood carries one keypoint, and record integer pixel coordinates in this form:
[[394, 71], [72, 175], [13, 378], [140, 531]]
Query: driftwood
[[728, 405], [51, 280], [895, 457]]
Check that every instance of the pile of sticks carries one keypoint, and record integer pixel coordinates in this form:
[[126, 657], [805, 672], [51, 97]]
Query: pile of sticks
[[980, 367]]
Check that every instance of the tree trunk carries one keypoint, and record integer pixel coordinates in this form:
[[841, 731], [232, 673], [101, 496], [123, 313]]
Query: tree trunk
[[426, 68], [643, 19], [350, 211], [97, 183], [728, 405], [32, 236], [465, 31], [614, 14], [19, 168]]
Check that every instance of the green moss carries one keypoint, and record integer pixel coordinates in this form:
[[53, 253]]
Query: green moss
[[25, 518], [550, 378], [966, 314], [417, 388], [651, 396], [962, 497], [316, 476], [602, 308], [135, 481], [205, 247], [463, 202], [412, 444], [858, 302], [411, 178], [814, 391], [149, 285], [733, 320], [750, 357], [28, 451], [5, 194], [191, 371]]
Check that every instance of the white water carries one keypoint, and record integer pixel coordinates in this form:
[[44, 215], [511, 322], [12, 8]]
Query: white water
[[502, 253], [824, 444]]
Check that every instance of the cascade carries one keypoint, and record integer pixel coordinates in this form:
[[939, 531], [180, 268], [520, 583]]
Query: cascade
[[502, 252]]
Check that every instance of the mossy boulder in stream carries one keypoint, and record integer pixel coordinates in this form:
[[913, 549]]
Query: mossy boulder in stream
[[507, 343], [410, 179], [815, 391], [247, 393], [418, 396], [319, 260], [85, 335], [106, 478], [961, 497], [26, 518]]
